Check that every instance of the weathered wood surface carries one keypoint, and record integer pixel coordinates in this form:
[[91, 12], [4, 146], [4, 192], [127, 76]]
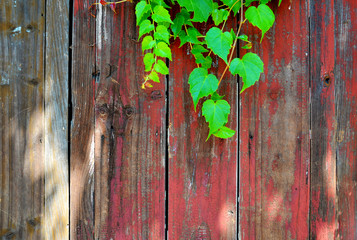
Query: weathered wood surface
[[82, 124], [334, 118], [274, 132], [22, 26], [121, 194], [202, 195], [56, 120], [130, 134]]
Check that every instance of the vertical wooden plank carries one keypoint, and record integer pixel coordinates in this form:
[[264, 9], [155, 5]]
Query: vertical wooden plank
[[323, 145], [56, 121], [334, 94], [21, 97], [82, 125], [274, 132], [202, 175], [130, 134], [345, 72]]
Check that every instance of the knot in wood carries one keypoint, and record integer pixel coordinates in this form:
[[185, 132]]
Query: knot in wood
[[129, 111], [103, 110], [156, 95], [327, 80]]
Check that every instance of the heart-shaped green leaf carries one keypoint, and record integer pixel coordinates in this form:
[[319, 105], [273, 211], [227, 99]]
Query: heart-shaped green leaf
[[220, 43], [261, 17], [202, 84], [216, 114], [249, 68]]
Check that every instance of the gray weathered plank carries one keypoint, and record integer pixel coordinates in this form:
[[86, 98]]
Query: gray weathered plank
[[56, 120], [22, 25]]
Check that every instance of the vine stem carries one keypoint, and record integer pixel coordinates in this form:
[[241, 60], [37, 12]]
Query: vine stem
[[234, 45]]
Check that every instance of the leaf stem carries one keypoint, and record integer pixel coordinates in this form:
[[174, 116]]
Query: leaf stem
[[234, 45]]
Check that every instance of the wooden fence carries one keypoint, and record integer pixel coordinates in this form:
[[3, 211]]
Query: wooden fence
[[87, 154]]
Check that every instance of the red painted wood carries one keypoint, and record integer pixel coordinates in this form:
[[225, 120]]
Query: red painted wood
[[334, 93], [130, 134], [274, 132], [202, 175]]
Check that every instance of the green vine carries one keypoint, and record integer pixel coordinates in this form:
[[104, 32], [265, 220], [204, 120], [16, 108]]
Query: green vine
[[157, 27]]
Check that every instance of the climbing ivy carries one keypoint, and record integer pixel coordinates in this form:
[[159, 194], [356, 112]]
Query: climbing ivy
[[157, 26]]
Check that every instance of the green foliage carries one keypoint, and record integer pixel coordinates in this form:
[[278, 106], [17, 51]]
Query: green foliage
[[157, 27], [261, 17], [219, 42], [216, 114], [249, 68], [202, 84]]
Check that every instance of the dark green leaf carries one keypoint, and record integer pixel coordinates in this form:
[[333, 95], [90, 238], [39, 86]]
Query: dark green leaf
[[202, 8], [234, 3], [215, 96]]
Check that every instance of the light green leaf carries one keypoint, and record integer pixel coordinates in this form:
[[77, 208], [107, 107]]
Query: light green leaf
[[248, 46], [161, 33], [216, 114], [154, 76], [148, 43], [183, 37], [219, 15], [202, 8], [279, 3], [249, 68], [219, 42], [261, 17], [202, 84], [145, 27], [224, 132], [161, 67], [162, 50], [161, 15], [148, 61], [140, 10]]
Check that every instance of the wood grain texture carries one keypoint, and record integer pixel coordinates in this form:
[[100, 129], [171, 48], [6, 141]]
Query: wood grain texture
[[274, 132], [202, 187], [334, 94], [82, 125], [22, 27], [130, 134], [56, 121]]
